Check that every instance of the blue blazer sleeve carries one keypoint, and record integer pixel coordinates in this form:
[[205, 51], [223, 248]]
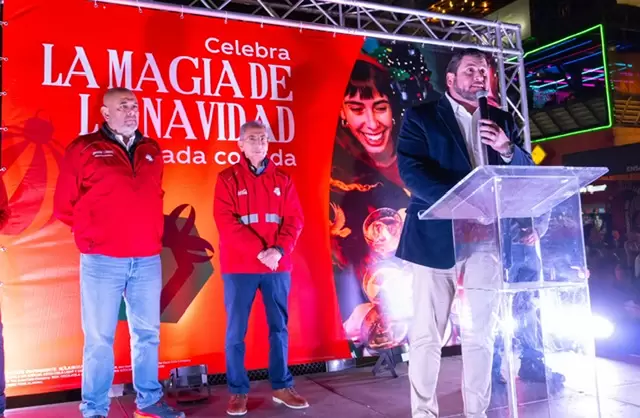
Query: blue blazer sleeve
[[417, 169], [520, 155]]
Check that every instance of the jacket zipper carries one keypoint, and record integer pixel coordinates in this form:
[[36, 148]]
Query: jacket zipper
[[130, 156], [133, 167]]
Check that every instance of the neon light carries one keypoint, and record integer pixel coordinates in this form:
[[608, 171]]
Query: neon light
[[598, 77], [568, 38], [605, 59], [593, 70], [583, 58], [560, 52], [554, 61], [566, 41]]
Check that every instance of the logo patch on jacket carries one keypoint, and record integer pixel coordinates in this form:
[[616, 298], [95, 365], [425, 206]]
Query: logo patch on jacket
[[242, 192], [149, 158], [103, 153], [276, 191]]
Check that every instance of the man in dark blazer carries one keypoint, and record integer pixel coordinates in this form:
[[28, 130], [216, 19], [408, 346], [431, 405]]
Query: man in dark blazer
[[437, 149]]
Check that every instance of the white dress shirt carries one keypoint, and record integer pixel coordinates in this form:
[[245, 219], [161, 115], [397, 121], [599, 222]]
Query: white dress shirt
[[468, 124], [126, 142]]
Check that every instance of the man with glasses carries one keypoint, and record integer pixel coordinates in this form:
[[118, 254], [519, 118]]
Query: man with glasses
[[259, 219], [110, 193]]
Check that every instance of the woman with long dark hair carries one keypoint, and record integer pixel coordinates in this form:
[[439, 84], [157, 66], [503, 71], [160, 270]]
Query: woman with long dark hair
[[367, 210]]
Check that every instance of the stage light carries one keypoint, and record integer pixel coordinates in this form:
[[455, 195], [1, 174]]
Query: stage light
[[602, 328], [189, 384]]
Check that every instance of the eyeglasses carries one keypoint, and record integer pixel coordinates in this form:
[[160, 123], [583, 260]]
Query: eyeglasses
[[254, 139]]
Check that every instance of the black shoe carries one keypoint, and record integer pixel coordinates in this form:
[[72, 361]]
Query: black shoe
[[498, 379], [536, 371]]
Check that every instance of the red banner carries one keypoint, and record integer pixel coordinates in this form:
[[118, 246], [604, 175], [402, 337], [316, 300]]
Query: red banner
[[197, 80]]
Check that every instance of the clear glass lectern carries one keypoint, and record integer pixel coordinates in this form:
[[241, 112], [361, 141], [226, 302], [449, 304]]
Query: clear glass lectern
[[524, 308]]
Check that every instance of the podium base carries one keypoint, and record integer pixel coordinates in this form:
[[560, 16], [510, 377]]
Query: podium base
[[542, 342]]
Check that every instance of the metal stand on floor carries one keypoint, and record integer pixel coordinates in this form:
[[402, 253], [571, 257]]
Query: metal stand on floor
[[386, 362], [189, 384]]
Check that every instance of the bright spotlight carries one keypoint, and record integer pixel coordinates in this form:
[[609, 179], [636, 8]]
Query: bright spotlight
[[602, 328]]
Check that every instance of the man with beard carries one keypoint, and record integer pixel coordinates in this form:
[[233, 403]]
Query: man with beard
[[110, 193], [437, 148]]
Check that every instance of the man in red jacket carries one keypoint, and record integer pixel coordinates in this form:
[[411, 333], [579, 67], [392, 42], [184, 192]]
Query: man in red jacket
[[110, 193], [259, 220]]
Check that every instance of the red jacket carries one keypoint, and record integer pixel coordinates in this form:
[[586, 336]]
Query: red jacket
[[253, 213], [111, 198]]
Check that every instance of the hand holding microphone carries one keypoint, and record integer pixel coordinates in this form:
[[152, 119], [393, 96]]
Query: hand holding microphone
[[490, 133]]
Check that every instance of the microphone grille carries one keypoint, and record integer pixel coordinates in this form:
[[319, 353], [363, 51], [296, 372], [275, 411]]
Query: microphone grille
[[482, 93]]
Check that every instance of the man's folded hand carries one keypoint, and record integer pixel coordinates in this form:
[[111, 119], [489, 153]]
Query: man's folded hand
[[270, 258]]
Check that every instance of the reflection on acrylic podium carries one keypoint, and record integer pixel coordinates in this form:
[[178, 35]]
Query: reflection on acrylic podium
[[525, 312]]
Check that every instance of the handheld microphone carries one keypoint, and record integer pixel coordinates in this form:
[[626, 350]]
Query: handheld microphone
[[483, 104]]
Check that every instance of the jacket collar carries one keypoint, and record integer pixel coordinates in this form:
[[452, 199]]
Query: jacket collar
[[268, 166], [109, 134]]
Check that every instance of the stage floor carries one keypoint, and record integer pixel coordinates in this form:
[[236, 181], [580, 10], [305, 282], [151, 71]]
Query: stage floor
[[355, 393]]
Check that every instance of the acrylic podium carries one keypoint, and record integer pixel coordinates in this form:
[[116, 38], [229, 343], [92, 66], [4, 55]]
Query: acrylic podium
[[524, 294]]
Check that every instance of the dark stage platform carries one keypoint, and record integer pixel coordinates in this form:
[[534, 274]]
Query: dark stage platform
[[355, 393]]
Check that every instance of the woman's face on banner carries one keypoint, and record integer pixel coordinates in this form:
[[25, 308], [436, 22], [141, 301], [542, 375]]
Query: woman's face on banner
[[369, 120]]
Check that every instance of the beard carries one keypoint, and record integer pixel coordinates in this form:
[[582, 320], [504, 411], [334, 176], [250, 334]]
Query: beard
[[465, 94]]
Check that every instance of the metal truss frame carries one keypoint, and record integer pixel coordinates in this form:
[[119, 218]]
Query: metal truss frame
[[360, 18]]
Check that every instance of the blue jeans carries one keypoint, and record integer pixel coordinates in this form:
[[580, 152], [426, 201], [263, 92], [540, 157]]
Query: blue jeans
[[103, 281], [239, 293]]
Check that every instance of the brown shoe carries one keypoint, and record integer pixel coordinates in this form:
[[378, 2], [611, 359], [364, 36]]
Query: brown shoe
[[289, 397], [237, 405]]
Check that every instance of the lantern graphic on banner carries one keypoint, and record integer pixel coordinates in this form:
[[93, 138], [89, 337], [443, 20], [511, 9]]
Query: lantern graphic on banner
[[32, 158], [382, 230]]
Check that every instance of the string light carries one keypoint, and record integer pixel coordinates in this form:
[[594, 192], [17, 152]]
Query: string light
[[465, 7]]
